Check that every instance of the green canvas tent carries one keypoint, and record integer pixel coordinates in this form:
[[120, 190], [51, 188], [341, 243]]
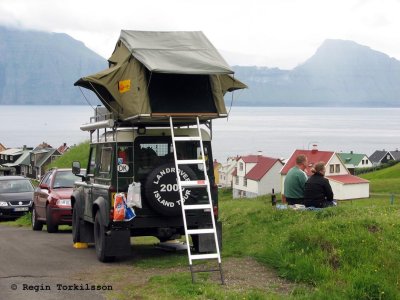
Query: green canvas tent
[[157, 74]]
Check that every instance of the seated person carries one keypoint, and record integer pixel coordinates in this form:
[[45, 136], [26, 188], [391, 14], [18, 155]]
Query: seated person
[[318, 191]]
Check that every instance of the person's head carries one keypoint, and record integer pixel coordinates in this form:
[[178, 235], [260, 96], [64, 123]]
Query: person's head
[[301, 161], [319, 168]]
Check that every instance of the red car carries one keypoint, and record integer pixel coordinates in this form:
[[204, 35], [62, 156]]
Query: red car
[[52, 200]]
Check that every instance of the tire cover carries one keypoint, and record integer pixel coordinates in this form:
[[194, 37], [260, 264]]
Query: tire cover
[[161, 189]]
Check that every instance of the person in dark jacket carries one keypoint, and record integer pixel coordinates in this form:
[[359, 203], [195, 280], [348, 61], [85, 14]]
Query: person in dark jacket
[[318, 191]]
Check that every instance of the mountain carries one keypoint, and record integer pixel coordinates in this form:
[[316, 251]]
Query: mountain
[[340, 73], [41, 68]]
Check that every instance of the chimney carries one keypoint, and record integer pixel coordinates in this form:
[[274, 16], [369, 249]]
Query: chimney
[[65, 144], [351, 152], [259, 153], [314, 148]]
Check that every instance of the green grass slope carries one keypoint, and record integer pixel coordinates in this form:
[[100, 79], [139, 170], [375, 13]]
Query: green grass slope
[[78, 153], [347, 252], [385, 181]]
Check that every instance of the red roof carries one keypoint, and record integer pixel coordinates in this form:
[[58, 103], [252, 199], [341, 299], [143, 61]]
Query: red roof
[[347, 179], [234, 172], [263, 165], [313, 156]]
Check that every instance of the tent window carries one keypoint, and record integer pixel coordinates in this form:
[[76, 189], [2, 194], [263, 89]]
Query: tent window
[[181, 93]]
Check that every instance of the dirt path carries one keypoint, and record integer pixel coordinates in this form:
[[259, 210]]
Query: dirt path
[[38, 265]]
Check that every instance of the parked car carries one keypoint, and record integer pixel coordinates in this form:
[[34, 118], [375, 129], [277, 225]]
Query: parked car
[[52, 200], [16, 194]]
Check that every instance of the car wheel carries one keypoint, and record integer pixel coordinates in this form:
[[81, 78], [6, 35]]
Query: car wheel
[[36, 225], [76, 230], [100, 239], [51, 227]]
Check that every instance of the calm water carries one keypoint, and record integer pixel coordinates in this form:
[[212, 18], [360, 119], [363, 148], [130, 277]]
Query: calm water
[[276, 131]]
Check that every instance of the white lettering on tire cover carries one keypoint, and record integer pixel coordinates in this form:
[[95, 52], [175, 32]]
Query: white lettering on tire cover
[[170, 188]]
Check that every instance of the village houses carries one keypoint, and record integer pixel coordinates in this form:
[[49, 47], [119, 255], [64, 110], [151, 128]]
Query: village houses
[[354, 161], [256, 175], [29, 162], [225, 172]]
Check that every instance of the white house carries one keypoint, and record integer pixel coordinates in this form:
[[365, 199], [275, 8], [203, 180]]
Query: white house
[[256, 175], [226, 171], [344, 185], [355, 160]]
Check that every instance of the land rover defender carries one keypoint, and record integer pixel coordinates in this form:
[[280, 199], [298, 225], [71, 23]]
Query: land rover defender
[[143, 155]]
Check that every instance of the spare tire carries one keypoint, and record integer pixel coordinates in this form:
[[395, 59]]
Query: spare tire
[[162, 192]]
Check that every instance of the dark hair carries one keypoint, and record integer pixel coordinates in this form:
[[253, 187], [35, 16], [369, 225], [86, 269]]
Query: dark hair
[[318, 167]]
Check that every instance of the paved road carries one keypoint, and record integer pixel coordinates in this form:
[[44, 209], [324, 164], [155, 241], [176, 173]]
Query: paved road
[[46, 262]]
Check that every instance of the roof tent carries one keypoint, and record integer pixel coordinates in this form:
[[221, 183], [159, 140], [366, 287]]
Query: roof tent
[[157, 74]]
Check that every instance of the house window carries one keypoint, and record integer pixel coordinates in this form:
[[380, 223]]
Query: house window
[[366, 161], [237, 180], [331, 168], [241, 166], [337, 167], [30, 169], [245, 181], [388, 157]]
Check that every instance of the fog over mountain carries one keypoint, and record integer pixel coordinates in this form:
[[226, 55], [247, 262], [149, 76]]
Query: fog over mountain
[[340, 73], [41, 68]]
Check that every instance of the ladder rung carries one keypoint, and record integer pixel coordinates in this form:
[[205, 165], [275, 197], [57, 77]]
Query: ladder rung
[[197, 206], [187, 138], [189, 161], [194, 183], [205, 256], [200, 231]]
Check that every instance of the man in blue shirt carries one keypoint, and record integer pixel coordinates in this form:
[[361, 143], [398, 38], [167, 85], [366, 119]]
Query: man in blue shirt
[[295, 181]]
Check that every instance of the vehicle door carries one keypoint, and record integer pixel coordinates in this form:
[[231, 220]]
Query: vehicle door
[[42, 194], [103, 175], [88, 184]]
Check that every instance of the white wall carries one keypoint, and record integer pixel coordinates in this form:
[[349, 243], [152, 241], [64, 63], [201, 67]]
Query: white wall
[[272, 179], [368, 165], [349, 191], [335, 161]]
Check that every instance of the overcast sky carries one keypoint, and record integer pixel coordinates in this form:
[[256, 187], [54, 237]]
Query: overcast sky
[[273, 33]]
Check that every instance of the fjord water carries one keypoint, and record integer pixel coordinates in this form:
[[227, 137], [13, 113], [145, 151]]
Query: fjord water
[[276, 131]]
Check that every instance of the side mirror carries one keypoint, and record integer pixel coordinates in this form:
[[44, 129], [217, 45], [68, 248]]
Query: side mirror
[[44, 186], [76, 167]]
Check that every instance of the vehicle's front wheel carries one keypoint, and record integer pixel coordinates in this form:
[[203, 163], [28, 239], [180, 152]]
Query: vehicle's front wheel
[[100, 239], [51, 227], [76, 234], [36, 225]]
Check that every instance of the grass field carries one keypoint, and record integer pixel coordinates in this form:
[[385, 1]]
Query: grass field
[[351, 251]]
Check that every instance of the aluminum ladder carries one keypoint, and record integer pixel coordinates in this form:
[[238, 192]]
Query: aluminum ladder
[[209, 206]]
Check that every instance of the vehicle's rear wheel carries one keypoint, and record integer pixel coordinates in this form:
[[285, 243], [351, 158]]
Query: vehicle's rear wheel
[[36, 225], [76, 231], [100, 239], [51, 227]]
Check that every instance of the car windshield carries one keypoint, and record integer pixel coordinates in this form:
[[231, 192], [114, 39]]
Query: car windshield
[[64, 179], [15, 186]]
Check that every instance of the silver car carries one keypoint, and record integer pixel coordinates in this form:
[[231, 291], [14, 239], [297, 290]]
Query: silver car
[[16, 195]]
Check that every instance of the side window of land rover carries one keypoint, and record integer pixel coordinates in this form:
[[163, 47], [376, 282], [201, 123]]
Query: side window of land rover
[[105, 162], [92, 161]]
